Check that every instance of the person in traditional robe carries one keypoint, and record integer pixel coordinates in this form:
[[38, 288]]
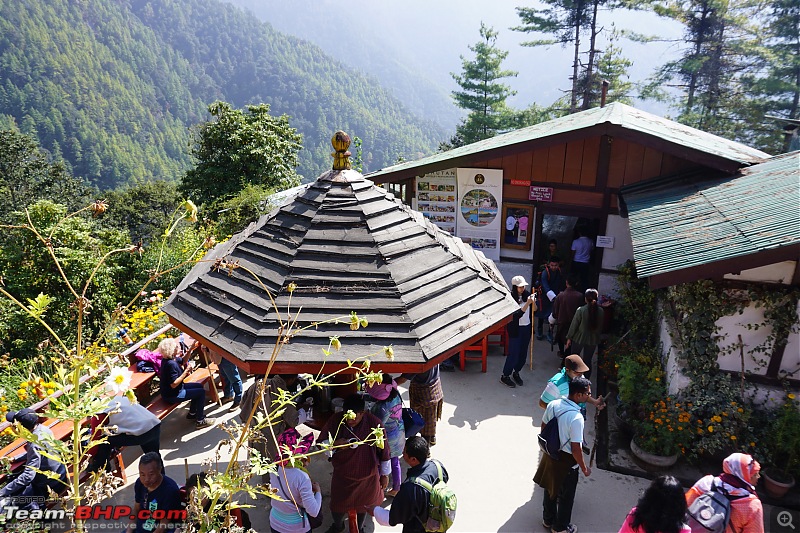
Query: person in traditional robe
[[361, 467]]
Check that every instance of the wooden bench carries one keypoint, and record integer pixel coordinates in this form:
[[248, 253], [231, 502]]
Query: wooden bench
[[142, 385]]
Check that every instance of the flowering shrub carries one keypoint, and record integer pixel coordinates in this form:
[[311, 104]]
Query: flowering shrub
[[782, 441], [666, 429], [148, 317]]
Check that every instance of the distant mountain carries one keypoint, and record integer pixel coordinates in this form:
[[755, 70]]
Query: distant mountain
[[112, 87], [360, 37]]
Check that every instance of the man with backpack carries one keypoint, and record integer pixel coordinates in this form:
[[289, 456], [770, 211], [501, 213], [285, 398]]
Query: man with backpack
[[559, 477], [727, 502], [424, 502]]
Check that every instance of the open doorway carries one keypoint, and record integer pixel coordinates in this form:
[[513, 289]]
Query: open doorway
[[555, 237]]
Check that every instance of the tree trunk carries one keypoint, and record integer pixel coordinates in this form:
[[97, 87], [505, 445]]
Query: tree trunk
[[587, 90], [573, 103]]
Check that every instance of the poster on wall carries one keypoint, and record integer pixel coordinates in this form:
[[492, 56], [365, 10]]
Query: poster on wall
[[480, 193], [436, 198]]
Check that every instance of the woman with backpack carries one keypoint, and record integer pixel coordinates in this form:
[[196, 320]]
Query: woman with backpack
[[740, 474], [388, 407], [661, 509], [584, 331]]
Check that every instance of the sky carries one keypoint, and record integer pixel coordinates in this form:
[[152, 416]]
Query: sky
[[428, 36]]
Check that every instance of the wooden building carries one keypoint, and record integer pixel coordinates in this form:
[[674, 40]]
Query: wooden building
[[569, 171]]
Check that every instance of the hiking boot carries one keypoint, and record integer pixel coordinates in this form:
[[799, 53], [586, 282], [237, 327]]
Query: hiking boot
[[226, 399], [206, 422], [571, 528], [507, 381], [191, 416], [234, 406], [546, 525], [517, 379]]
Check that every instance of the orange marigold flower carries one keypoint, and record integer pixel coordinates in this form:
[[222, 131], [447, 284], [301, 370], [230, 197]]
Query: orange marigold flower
[[711, 429]]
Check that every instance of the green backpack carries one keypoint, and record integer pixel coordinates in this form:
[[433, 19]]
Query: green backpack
[[442, 503]]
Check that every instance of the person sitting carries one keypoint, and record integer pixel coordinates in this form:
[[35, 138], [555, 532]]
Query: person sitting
[[156, 493], [174, 388], [661, 509], [299, 496], [33, 482], [235, 516], [129, 424]]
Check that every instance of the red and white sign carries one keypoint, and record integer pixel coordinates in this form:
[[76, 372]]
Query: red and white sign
[[541, 194], [524, 183]]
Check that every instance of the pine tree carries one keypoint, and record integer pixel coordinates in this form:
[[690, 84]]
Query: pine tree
[[481, 93], [611, 66]]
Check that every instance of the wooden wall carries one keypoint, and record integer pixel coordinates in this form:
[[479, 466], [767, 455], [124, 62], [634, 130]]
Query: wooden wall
[[572, 168]]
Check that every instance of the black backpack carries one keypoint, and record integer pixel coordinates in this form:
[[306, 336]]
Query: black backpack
[[549, 438], [711, 511]]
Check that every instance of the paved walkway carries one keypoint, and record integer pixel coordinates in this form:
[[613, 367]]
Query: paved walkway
[[486, 439]]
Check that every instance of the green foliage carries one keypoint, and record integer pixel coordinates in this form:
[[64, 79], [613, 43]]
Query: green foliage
[[28, 272], [239, 148], [143, 210], [234, 214], [27, 174], [782, 445], [481, 93], [112, 87]]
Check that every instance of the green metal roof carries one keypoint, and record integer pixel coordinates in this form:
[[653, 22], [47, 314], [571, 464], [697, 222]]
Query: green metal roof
[[679, 222], [621, 115]]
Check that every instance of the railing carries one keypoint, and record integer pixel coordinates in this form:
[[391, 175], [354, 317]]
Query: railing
[[42, 404]]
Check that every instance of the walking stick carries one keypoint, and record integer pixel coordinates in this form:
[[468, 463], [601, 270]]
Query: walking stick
[[211, 376], [596, 417], [533, 330]]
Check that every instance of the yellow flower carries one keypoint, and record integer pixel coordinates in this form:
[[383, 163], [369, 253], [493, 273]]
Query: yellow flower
[[790, 396], [711, 429], [733, 437], [389, 352]]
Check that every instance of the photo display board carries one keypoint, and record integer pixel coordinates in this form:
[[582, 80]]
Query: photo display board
[[480, 194], [436, 198]]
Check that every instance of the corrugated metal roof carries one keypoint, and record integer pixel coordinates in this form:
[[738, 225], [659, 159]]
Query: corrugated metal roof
[[348, 246], [679, 223], [617, 114]]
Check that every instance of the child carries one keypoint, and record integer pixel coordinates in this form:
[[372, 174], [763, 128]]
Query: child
[[389, 409]]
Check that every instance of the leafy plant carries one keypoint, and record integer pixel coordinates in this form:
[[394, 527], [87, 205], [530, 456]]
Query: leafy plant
[[783, 444], [665, 429]]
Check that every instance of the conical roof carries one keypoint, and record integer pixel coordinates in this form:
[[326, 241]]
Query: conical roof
[[344, 245]]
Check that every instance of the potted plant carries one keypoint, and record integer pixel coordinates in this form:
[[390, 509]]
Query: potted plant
[[661, 436], [783, 449]]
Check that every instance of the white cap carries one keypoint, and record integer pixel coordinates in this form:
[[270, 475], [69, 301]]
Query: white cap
[[518, 281]]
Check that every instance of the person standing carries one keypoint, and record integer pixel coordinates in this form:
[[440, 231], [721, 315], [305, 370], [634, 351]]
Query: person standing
[[582, 248], [560, 478], [388, 407], [426, 397], [661, 509], [291, 416], [156, 494], [301, 496], [740, 474], [360, 469], [584, 331], [552, 282], [564, 307], [558, 386], [410, 506], [519, 333], [232, 383]]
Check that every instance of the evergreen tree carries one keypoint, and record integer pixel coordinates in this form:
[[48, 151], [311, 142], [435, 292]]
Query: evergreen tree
[[611, 66], [238, 148], [722, 50], [481, 93]]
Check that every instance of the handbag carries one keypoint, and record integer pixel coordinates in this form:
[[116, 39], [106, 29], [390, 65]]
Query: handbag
[[412, 421], [313, 521]]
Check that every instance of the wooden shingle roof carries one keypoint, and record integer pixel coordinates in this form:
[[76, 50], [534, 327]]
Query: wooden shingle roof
[[346, 245]]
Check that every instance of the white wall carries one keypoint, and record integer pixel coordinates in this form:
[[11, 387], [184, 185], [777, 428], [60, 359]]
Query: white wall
[[617, 227], [775, 273]]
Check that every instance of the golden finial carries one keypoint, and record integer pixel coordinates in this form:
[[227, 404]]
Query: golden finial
[[341, 157]]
